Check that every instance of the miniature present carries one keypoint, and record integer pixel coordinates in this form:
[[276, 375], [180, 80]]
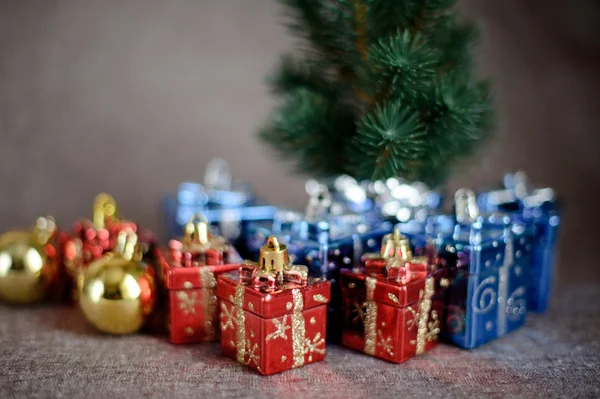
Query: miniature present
[[227, 205], [539, 210], [188, 276], [488, 262], [273, 316], [392, 308], [325, 246]]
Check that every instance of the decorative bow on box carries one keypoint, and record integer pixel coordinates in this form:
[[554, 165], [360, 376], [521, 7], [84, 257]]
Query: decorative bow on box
[[198, 245], [273, 270], [517, 194], [395, 261]]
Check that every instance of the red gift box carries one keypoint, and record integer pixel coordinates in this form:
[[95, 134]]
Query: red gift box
[[272, 325], [392, 309], [188, 277]]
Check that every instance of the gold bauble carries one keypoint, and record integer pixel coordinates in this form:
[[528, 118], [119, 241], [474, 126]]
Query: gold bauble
[[117, 293], [28, 263]]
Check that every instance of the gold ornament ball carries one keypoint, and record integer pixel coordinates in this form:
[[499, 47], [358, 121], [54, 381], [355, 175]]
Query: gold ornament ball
[[28, 264], [117, 294]]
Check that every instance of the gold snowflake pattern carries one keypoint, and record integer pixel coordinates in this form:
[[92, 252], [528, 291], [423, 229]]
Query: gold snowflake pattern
[[251, 350], [416, 316], [227, 317], [187, 303], [385, 343], [281, 327], [358, 311], [314, 345]]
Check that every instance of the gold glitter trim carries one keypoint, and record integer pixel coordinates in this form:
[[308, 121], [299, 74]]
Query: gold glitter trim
[[424, 308], [444, 282], [240, 319], [393, 298], [209, 301], [433, 327], [320, 298], [313, 321], [250, 306], [283, 358], [207, 277], [298, 328], [289, 306], [370, 317]]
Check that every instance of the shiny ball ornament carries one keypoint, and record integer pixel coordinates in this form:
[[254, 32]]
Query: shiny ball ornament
[[28, 263], [117, 293]]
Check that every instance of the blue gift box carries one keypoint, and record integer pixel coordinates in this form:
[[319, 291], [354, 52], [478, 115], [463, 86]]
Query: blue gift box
[[488, 295], [228, 206], [228, 211], [539, 210], [488, 259]]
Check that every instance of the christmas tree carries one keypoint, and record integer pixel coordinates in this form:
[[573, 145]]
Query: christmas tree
[[382, 88]]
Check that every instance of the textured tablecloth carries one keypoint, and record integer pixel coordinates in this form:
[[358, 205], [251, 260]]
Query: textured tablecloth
[[50, 351]]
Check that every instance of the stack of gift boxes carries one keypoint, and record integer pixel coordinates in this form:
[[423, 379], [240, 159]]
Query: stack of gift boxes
[[373, 266], [383, 271]]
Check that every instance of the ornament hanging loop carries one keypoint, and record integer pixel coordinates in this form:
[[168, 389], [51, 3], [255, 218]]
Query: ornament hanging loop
[[105, 209], [44, 229], [197, 232], [217, 175], [465, 203], [274, 256], [127, 244]]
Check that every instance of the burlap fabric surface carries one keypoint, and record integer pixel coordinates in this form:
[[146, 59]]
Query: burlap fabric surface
[[50, 351]]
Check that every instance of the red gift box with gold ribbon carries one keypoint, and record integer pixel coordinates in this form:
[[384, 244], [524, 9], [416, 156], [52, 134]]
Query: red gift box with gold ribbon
[[392, 309], [272, 318], [188, 276]]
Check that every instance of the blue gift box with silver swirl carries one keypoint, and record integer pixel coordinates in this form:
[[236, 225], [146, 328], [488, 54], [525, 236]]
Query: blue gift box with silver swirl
[[488, 259], [488, 296], [540, 210]]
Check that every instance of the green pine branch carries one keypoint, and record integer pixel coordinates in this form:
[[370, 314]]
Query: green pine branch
[[385, 88]]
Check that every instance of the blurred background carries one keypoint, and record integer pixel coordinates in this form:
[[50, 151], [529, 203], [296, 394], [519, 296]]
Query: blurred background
[[132, 97]]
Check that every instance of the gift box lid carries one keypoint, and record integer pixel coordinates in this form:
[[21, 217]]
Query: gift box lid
[[194, 259], [201, 276], [485, 239], [389, 292], [273, 304], [517, 196]]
